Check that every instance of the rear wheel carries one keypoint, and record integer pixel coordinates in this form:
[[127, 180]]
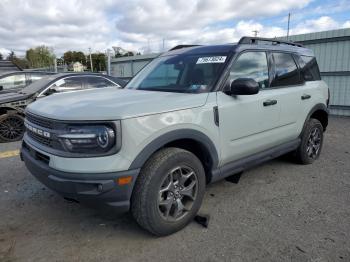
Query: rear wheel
[[311, 142], [168, 192], [11, 127]]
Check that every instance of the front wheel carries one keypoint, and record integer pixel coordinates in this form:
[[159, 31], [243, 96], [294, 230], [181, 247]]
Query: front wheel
[[11, 128], [311, 142], [168, 192]]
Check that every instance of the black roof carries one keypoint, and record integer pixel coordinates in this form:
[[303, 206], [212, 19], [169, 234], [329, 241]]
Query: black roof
[[245, 43]]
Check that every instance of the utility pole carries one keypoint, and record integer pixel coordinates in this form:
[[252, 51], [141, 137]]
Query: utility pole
[[92, 70], [108, 61], [288, 26], [55, 65], [255, 33]]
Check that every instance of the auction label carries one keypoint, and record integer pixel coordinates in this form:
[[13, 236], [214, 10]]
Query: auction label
[[211, 60]]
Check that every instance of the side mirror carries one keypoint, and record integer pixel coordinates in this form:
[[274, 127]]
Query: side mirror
[[1, 88], [243, 86]]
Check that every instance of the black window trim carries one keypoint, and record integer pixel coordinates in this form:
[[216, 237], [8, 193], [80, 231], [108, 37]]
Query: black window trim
[[302, 82]]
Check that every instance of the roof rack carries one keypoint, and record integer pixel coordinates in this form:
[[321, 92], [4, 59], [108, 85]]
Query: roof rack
[[182, 46], [274, 41]]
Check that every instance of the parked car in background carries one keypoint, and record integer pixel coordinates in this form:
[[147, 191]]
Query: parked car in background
[[12, 104], [15, 81]]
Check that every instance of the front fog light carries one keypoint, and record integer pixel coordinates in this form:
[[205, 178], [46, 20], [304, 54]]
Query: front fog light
[[88, 139]]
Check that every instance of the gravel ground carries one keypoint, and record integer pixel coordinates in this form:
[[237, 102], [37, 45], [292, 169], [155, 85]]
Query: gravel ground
[[279, 211]]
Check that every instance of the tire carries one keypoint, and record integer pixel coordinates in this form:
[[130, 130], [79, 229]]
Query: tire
[[160, 190], [11, 127], [311, 142]]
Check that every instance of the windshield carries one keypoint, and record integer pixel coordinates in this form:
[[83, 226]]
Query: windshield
[[180, 73], [37, 86]]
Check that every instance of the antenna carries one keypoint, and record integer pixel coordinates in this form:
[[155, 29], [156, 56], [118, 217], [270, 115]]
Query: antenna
[[288, 26]]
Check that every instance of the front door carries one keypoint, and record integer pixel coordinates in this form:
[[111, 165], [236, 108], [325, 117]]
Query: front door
[[248, 123]]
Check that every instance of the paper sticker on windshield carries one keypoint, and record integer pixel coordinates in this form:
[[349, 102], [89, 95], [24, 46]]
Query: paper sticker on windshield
[[211, 60]]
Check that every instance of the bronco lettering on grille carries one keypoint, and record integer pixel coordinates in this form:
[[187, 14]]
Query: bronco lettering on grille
[[37, 130]]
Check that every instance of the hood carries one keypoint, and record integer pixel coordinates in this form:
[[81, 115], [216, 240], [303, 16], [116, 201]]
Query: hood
[[112, 104], [12, 97]]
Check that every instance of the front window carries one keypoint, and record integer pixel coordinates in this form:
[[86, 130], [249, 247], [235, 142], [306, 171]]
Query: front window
[[180, 73], [251, 65]]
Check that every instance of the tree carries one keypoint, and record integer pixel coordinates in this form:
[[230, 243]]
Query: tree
[[129, 53], [98, 62], [1, 57], [21, 62], [40, 56], [74, 56]]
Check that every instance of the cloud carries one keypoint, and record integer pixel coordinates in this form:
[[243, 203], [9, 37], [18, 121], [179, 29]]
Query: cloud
[[141, 25], [323, 23]]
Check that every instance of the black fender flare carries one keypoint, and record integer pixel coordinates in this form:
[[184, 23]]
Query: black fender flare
[[171, 136], [317, 107]]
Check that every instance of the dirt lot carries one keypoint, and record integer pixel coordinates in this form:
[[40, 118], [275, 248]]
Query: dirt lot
[[279, 211]]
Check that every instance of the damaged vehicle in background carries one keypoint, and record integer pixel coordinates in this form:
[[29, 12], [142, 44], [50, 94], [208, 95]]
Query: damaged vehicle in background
[[15, 81], [12, 104]]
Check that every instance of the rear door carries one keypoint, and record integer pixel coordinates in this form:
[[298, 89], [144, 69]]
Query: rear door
[[287, 80], [248, 123]]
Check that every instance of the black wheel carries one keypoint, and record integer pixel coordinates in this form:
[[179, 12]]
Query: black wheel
[[168, 192], [311, 142], [11, 128]]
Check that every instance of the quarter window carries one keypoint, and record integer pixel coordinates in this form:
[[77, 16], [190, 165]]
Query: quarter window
[[286, 72], [251, 65], [309, 68]]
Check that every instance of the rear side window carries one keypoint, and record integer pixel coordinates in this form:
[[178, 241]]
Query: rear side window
[[32, 77], [309, 68], [98, 82], [286, 72], [13, 81], [251, 65]]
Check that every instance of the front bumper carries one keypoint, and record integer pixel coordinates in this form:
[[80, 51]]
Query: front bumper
[[96, 190]]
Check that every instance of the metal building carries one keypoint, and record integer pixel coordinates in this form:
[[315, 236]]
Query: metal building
[[128, 66], [332, 50]]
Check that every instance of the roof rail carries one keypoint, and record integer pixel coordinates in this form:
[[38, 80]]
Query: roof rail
[[274, 41], [182, 46]]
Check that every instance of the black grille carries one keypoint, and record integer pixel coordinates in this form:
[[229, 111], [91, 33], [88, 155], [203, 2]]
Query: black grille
[[39, 121], [40, 139]]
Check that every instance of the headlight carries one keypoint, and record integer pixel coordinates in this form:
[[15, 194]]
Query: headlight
[[88, 139]]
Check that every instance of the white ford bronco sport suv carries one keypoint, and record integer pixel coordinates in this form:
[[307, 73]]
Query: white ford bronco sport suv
[[192, 116]]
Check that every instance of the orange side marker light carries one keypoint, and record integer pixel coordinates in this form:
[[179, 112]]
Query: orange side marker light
[[124, 180]]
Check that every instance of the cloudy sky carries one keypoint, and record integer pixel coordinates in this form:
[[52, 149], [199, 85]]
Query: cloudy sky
[[142, 25]]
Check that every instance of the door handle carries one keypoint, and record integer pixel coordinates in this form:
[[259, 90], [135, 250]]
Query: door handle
[[270, 102], [304, 97]]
